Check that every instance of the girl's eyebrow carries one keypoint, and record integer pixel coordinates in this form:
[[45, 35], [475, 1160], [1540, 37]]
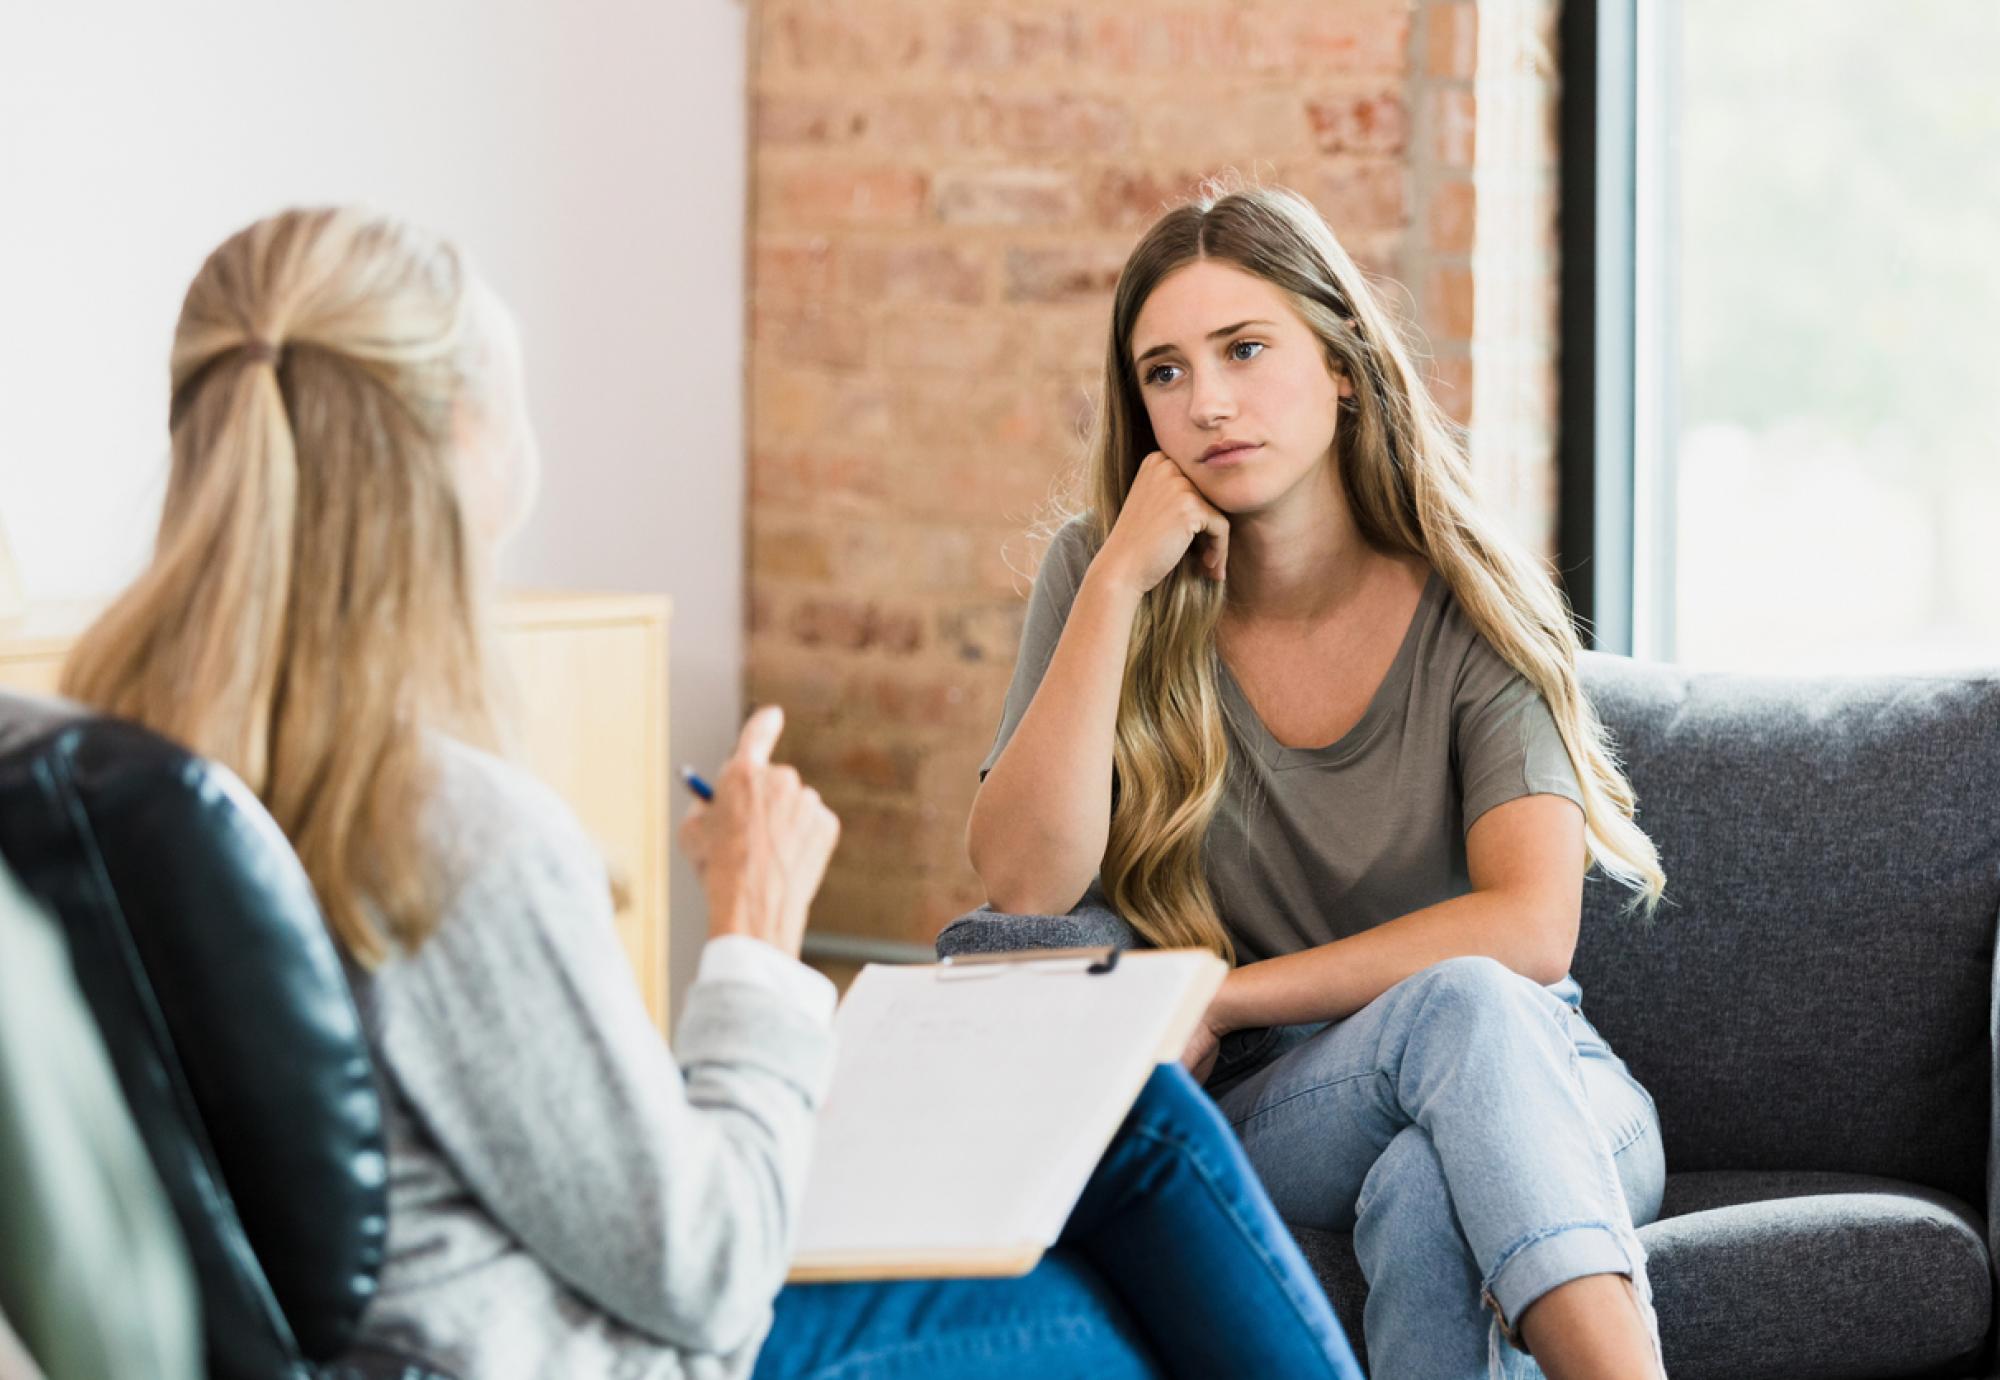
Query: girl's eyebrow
[[1212, 335]]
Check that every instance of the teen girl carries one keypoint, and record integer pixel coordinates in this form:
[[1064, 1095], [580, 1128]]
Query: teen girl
[[1287, 693]]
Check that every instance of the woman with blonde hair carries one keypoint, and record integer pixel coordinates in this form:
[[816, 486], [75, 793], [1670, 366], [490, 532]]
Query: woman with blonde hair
[[566, 1198], [1285, 692]]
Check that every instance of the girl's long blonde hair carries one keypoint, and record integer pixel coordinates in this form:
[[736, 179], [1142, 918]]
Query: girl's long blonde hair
[[314, 600], [1403, 468]]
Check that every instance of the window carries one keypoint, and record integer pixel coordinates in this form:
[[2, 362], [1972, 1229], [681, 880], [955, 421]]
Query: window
[[1797, 438]]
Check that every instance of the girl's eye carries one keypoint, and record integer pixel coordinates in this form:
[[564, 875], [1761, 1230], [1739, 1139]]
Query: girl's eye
[[1245, 349], [1159, 373]]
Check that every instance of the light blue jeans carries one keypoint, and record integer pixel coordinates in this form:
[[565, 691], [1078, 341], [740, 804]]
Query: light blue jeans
[[1478, 1137]]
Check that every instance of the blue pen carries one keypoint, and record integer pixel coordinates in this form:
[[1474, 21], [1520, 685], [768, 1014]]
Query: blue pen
[[696, 784]]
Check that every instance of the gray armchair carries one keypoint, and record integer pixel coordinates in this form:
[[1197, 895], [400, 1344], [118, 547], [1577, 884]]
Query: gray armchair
[[1815, 1014]]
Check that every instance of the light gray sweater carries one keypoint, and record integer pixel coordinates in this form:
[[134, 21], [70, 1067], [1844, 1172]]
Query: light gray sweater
[[564, 1198]]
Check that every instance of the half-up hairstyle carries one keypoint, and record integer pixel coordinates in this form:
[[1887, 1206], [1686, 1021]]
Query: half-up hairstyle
[[1404, 471], [312, 606]]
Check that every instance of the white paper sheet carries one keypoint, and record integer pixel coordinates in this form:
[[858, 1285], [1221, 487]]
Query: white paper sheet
[[969, 1104]]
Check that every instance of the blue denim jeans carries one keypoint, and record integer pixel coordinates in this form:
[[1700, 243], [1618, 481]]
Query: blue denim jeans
[[1173, 1263], [1478, 1137]]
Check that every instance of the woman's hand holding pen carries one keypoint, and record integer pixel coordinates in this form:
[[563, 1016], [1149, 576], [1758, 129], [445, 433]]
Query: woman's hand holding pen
[[1162, 516], [761, 846]]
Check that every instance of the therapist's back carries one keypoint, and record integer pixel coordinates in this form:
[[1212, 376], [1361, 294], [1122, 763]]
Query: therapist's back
[[349, 451]]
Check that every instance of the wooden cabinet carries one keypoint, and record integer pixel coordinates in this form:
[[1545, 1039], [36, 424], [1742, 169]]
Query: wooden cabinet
[[589, 692]]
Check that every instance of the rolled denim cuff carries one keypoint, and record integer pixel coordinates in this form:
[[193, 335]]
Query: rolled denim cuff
[[1557, 1257]]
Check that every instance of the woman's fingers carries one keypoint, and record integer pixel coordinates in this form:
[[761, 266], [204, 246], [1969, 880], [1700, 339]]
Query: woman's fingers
[[1216, 557], [759, 737]]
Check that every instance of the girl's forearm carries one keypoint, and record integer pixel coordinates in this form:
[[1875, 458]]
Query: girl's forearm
[[1041, 818], [1333, 981]]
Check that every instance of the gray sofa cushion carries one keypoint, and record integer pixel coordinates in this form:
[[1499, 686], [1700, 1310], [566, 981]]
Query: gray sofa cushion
[[1817, 996], [1779, 1275], [1775, 1276]]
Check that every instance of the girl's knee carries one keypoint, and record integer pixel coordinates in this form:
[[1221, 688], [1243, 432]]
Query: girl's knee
[[1480, 984]]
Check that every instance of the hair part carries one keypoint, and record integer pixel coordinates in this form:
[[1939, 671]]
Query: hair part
[[314, 603], [1403, 469]]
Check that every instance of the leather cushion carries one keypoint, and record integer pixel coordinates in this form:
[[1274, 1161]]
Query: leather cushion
[[200, 948]]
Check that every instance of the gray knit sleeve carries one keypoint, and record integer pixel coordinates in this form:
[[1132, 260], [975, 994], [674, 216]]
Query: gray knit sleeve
[[665, 1194]]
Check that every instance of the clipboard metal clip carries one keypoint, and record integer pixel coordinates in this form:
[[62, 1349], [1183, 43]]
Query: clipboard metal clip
[[958, 967]]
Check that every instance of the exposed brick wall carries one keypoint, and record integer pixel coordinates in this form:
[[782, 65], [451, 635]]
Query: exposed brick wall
[[943, 192]]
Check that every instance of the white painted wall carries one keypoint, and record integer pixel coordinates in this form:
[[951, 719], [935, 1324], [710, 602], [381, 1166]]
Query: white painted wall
[[590, 156]]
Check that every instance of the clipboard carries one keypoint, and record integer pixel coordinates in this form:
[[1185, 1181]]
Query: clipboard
[[972, 1099]]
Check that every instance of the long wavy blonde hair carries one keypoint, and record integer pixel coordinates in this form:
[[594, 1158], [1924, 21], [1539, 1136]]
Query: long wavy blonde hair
[[314, 601], [1404, 471]]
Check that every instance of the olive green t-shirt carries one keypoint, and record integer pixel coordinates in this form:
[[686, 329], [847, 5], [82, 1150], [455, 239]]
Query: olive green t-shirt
[[1310, 845]]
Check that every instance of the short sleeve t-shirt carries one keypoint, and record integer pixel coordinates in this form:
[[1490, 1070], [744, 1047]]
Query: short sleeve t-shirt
[[1309, 845]]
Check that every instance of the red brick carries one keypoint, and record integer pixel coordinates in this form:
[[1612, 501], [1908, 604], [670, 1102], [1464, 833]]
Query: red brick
[[758, 615], [885, 835], [1071, 338], [888, 767], [1358, 195], [855, 625], [957, 122], [791, 271], [1133, 198], [985, 482], [1324, 39], [807, 335], [913, 273], [1378, 253], [945, 120], [820, 121], [1167, 38], [1454, 125], [989, 42], [1006, 196], [1049, 122], [1448, 303], [1065, 274], [1451, 40], [818, 480], [903, 556], [1453, 206], [989, 633], [951, 773], [871, 902], [816, 35], [1372, 123], [790, 552], [921, 698], [817, 195], [808, 407], [961, 414], [961, 341], [1451, 385], [1259, 124]]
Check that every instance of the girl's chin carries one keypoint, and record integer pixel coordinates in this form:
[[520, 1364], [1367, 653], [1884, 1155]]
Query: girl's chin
[[1237, 494]]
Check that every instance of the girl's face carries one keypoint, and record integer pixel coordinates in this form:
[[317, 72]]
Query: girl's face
[[1236, 384]]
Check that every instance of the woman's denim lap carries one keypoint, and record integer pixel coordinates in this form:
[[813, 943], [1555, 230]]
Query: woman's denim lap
[[1479, 1139], [1173, 1263]]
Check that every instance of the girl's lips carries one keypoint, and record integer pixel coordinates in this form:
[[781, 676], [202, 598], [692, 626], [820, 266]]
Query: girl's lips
[[1236, 455]]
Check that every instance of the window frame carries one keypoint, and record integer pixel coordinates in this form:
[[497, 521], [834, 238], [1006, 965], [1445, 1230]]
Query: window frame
[[1617, 198]]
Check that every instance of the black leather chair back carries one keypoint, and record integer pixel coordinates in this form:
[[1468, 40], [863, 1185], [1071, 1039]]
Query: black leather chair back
[[200, 948]]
